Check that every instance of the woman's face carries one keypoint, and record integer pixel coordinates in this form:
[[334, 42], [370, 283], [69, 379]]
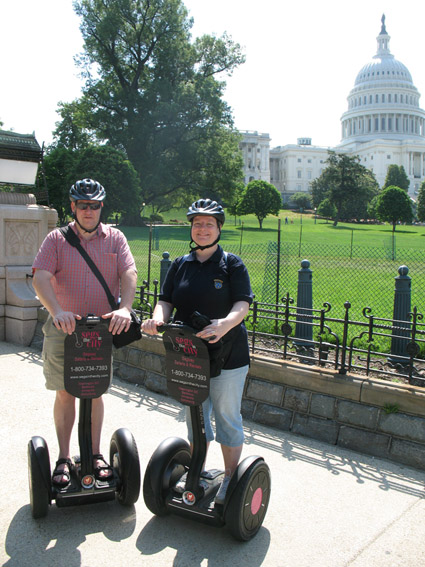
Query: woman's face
[[205, 230]]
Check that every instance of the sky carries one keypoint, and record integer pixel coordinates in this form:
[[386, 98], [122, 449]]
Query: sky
[[302, 59]]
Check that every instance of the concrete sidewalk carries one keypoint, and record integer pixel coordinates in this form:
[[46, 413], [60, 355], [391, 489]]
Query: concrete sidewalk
[[329, 507]]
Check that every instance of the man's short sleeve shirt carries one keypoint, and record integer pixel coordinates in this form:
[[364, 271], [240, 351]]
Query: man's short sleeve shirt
[[76, 287]]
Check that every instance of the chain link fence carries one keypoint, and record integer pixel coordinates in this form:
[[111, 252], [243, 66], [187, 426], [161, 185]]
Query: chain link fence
[[362, 275]]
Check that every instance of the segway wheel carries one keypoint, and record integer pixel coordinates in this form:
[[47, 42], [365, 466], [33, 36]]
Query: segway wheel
[[168, 463], [248, 503], [124, 459], [39, 477]]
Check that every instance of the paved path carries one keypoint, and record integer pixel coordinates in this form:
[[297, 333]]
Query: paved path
[[329, 507]]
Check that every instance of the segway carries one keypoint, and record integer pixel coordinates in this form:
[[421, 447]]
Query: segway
[[247, 497], [88, 361]]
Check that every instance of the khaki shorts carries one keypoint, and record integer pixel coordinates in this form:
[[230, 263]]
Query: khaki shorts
[[53, 356]]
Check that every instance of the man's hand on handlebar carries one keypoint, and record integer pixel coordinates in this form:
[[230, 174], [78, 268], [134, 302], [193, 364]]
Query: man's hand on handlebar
[[65, 321], [120, 320]]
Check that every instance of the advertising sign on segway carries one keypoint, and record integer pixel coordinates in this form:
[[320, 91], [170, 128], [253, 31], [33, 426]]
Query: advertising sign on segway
[[88, 359], [187, 365]]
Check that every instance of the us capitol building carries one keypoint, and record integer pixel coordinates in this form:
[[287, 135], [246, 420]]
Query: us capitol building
[[383, 125]]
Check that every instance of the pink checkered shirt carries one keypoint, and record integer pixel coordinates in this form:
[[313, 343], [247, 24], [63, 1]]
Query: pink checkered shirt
[[76, 287]]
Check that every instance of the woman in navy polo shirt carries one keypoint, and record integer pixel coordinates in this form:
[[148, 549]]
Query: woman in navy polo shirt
[[216, 284]]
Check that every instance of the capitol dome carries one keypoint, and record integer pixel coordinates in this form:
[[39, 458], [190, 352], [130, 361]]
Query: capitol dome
[[384, 102]]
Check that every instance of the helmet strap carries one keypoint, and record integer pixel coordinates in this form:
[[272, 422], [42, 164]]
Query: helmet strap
[[197, 247], [82, 227]]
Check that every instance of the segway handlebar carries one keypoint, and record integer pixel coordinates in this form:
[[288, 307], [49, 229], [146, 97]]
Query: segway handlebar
[[177, 325], [87, 320], [199, 321]]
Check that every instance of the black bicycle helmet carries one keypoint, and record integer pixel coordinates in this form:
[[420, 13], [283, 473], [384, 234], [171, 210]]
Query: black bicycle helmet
[[87, 190], [206, 207]]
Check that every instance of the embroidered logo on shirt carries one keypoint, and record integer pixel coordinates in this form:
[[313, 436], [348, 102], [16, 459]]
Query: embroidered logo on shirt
[[218, 284]]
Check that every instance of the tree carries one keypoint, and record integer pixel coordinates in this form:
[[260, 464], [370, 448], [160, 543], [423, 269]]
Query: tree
[[71, 132], [301, 200], [158, 96], [261, 199], [232, 206], [347, 184], [396, 175], [326, 209], [371, 208], [394, 205], [319, 188], [59, 167], [420, 203], [103, 163]]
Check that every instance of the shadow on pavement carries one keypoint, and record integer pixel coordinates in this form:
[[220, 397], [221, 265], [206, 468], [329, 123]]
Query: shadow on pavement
[[54, 540], [194, 543]]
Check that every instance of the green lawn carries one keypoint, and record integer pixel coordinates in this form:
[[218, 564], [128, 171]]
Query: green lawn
[[350, 262], [302, 226]]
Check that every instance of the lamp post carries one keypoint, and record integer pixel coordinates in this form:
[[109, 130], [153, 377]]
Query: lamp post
[[315, 215]]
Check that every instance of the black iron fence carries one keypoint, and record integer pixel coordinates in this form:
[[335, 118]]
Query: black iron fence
[[387, 348], [352, 311]]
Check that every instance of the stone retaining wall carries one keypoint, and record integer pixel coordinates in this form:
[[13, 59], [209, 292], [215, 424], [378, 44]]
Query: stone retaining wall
[[363, 414], [348, 411]]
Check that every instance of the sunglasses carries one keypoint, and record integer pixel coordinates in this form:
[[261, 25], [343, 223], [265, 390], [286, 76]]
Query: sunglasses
[[85, 206]]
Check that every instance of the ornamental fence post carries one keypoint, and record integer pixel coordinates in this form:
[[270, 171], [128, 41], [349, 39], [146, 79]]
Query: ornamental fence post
[[402, 307], [165, 264], [304, 327]]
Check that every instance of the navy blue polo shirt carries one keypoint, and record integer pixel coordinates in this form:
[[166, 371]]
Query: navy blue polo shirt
[[212, 288]]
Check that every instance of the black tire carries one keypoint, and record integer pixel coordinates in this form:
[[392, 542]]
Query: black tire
[[168, 463], [124, 458], [39, 477], [248, 503]]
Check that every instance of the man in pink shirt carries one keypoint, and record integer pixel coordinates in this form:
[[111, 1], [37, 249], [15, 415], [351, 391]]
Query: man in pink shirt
[[69, 290]]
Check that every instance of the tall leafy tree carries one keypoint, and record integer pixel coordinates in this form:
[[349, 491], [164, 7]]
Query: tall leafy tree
[[59, 170], [396, 175], [347, 184], [394, 205], [71, 132], [153, 92], [107, 165], [260, 199]]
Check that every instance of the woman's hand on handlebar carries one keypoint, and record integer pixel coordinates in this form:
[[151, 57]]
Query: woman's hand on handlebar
[[215, 330], [150, 326]]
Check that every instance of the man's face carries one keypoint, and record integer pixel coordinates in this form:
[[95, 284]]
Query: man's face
[[86, 215]]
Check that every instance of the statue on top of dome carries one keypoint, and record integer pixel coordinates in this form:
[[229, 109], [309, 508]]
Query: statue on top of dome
[[383, 29]]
